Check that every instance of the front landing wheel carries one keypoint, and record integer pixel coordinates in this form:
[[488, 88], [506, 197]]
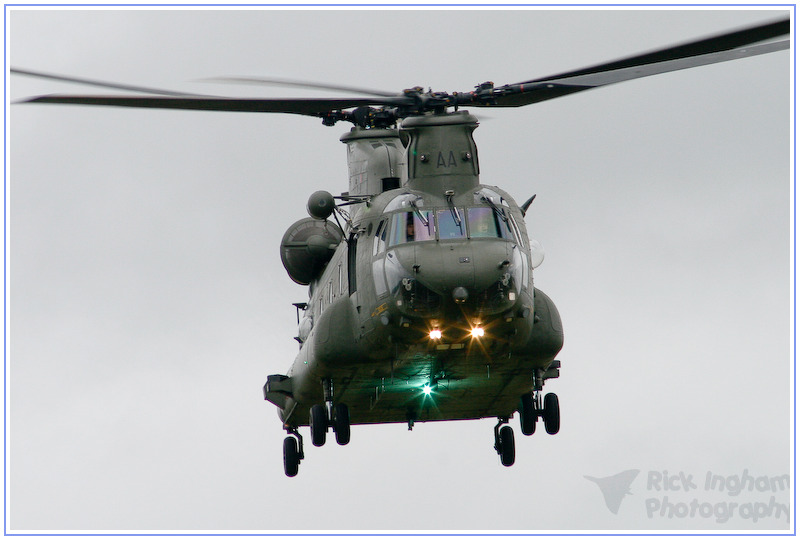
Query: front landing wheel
[[506, 443], [291, 456]]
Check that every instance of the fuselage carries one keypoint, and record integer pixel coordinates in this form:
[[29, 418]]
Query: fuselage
[[426, 309]]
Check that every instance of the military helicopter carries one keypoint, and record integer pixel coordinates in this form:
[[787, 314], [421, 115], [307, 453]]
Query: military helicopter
[[421, 301]]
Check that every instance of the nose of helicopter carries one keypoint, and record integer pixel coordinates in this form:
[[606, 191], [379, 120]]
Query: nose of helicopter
[[473, 274], [471, 266]]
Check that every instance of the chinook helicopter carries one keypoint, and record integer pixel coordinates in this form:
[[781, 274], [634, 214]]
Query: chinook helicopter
[[421, 301]]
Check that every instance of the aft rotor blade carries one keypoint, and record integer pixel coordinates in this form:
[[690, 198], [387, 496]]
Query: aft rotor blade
[[301, 84], [307, 106], [92, 82], [721, 48]]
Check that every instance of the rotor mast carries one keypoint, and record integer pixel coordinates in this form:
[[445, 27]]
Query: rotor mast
[[442, 155], [432, 152]]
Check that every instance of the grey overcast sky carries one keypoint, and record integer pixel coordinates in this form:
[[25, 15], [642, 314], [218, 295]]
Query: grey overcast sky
[[148, 302]]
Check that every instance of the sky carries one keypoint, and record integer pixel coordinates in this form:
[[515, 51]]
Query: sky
[[146, 302]]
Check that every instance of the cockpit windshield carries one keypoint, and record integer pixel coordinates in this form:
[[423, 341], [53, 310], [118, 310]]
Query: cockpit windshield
[[485, 222], [412, 227], [451, 224]]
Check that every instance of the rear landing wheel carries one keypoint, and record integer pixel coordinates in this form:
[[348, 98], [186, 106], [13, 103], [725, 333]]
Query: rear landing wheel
[[551, 414], [527, 414], [341, 423], [318, 421]]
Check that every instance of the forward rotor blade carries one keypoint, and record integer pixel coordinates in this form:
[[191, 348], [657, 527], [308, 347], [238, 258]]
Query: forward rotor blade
[[300, 84], [308, 106], [729, 46], [721, 42], [92, 82]]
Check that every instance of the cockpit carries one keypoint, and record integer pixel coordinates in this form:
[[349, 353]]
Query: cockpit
[[448, 224], [482, 254]]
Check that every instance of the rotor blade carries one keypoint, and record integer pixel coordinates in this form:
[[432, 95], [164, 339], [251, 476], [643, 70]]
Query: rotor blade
[[721, 48], [91, 82], [721, 42], [307, 106], [543, 90], [300, 84]]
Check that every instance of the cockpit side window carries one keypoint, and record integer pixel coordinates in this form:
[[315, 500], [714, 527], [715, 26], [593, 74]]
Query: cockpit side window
[[506, 227], [379, 241], [517, 235], [412, 227]]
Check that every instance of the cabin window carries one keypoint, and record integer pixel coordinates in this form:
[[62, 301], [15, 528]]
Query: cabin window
[[451, 224], [379, 277], [402, 202], [493, 196], [351, 263], [412, 227]]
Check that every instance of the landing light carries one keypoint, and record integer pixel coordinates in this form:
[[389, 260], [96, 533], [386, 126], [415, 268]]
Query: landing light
[[435, 334], [426, 390], [477, 332]]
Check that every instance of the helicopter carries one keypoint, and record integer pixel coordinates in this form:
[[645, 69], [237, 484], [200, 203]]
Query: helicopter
[[428, 270]]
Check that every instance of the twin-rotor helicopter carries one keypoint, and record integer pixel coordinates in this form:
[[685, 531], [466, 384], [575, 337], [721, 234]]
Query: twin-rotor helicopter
[[422, 305]]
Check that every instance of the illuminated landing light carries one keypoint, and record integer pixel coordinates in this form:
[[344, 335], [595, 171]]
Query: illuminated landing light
[[435, 334], [477, 332], [426, 389]]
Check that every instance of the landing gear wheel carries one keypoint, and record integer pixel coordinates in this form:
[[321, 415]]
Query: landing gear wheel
[[341, 423], [318, 421], [291, 456], [506, 446], [551, 414], [527, 414]]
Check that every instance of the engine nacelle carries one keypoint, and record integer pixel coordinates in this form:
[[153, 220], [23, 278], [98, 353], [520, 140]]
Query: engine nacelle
[[307, 247]]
